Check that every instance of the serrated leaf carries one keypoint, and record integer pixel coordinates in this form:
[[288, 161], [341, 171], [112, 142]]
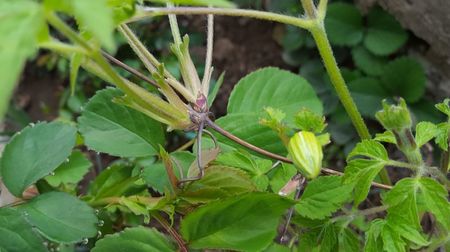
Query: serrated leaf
[[368, 94], [361, 172], [344, 25], [16, 234], [71, 171], [61, 217], [122, 9], [329, 238], [435, 196], [348, 240], [444, 107], [384, 33], [373, 236], [219, 182], [118, 130], [323, 196], [35, 152], [155, 175], [387, 137], [443, 130], [366, 61], [281, 176], [97, 18], [137, 239], [425, 131], [235, 223], [392, 240], [261, 89], [404, 77], [20, 26], [309, 121]]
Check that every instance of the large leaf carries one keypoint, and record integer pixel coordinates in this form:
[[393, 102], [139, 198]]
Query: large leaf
[[405, 77], [118, 130], [272, 87], [384, 34], [61, 217], [97, 18], [344, 24], [71, 171], [435, 196], [137, 239], [245, 223], [16, 234], [323, 196], [219, 182], [34, 153], [20, 25], [366, 61]]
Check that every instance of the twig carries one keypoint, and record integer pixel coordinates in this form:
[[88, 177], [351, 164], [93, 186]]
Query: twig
[[291, 210], [254, 148], [171, 231], [209, 52], [129, 69], [186, 145]]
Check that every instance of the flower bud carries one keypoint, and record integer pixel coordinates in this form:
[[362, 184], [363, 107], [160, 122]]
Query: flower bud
[[306, 153], [394, 117]]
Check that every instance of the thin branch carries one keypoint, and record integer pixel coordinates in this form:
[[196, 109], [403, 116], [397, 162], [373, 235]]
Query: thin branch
[[174, 26], [171, 231], [209, 52], [129, 69], [322, 9], [273, 155], [144, 12]]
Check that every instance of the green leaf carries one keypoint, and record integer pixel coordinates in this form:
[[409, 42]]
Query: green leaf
[[443, 130], [329, 238], [61, 217], [368, 94], [116, 180], [97, 18], [118, 130], [281, 176], [219, 182], [155, 175], [392, 241], [366, 61], [361, 172], [247, 127], [323, 196], [21, 23], [373, 236], [137, 239], [75, 63], [444, 107], [425, 131], [35, 152], [435, 196], [16, 234], [348, 240], [262, 89], [246, 223], [122, 9], [384, 34], [255, 167], [293, 38], [404, 77], [213, 93], [344, 24], [274, 247], [310, 121], [70, 172], [387, 137]]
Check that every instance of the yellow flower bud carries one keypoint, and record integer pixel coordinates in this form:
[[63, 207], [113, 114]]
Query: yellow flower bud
[[306, 153]]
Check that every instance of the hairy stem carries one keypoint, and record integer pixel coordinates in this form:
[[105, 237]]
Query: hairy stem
[[310, 9], [209, 52], [269, 154]]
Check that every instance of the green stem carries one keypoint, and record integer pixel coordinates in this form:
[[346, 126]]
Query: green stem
[[402, 165], [310, 9]]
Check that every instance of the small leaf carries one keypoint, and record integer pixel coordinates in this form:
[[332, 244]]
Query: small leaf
[[370, 149], [97, 18], [323, 196], [71, 171], [118, 130], [384, 34], [35, 152], [213, 93], [344, 24], [137, 239], [246, 223], [387, 137], [309, 121], [281, 176], [443, 130], [373, 236], [366, 61], [435, 196], [219, 182], [155, 175], [348, 240], [425, 131], [75, 63], [16, 234], [404, 77], [444, 107], [61, 217]]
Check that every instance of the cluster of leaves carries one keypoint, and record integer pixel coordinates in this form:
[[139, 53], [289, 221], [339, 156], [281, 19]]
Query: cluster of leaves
[[371, 50]]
